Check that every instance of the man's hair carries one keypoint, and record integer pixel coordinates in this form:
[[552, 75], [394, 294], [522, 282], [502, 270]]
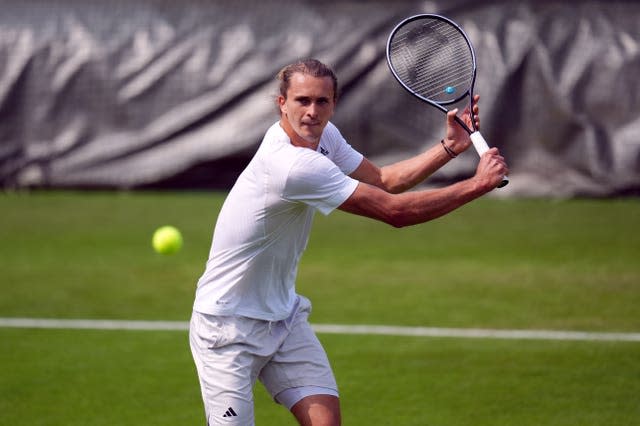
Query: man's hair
[[312, 67]]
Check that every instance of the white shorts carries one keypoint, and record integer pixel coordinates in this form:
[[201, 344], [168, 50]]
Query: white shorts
[[232, 352]]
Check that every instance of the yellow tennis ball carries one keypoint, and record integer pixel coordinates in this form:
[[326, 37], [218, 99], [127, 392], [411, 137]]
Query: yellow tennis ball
[[166, 240]]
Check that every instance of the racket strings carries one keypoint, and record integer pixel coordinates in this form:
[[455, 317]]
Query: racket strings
[[433, 58]]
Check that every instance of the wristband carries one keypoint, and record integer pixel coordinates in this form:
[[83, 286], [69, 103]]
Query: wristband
[[448, 150]]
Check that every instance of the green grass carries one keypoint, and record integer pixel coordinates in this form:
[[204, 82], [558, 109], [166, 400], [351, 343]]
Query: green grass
[[506, 264], [70, 377], [526, 264], [133, 378]]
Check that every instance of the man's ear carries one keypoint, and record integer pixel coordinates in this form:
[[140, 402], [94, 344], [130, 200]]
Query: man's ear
[[282, 104]]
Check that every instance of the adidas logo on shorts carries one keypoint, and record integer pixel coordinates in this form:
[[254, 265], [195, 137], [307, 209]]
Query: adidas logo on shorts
[[230, 413]]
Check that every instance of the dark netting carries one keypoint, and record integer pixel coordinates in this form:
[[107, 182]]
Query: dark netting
[[166, 94]]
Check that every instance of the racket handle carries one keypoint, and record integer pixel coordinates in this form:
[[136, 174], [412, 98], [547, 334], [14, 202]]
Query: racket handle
[[481, 147]]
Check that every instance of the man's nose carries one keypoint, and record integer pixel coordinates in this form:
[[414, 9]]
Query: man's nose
[[312, 111]]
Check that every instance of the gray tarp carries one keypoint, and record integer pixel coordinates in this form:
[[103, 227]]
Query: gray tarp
[[138, 94]]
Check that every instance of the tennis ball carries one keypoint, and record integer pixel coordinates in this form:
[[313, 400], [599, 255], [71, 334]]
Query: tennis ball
[[166, 240]]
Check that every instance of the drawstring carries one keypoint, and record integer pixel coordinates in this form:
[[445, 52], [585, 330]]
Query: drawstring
[[287, 324]]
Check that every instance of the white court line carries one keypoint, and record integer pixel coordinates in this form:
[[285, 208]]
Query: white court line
[[474, 333], [93, 324]]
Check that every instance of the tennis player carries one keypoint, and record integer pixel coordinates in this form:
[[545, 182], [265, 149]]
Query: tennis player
[[248, 321]]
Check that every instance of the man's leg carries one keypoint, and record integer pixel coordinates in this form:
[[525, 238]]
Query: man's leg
[[299, 375], [317, 410], [225, 369]]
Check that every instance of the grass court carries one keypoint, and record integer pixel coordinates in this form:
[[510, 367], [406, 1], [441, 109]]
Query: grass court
[[495, 264]]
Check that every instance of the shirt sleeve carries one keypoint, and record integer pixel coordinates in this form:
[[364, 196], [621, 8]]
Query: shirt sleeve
[[344, 155], [318, 182]]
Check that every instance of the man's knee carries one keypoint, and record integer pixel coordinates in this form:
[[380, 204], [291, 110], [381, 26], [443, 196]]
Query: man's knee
[[318, 410]]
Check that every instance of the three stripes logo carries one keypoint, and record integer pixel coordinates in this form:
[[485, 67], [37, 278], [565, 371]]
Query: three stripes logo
[[230, 413]]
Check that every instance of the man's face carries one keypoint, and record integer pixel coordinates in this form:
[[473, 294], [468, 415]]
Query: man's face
[[308, 107]]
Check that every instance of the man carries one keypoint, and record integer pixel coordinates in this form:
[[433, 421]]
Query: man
[[248, 322]]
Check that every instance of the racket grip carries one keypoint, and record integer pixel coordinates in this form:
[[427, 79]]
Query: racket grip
[[481, 147]]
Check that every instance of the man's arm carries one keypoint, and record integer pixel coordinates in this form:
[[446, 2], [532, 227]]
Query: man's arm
[[401, 176], [411, 208]]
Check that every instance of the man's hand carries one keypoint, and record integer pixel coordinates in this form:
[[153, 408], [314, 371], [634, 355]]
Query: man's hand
[[491, 169], [457, 137]]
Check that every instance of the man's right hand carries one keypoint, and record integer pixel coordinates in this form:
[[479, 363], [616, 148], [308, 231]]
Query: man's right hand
[[491, 168]]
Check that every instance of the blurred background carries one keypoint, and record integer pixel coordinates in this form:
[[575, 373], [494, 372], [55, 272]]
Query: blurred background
[[162, 94]]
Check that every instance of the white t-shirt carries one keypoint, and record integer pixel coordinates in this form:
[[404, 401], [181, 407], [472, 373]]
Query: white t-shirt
[[263, 226]]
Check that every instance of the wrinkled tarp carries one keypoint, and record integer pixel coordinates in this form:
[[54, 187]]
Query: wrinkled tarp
[[153, 94]]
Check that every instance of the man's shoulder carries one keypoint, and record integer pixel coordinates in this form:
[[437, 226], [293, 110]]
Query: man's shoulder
[[275, 133], [275, 144], [276, 156], [331, 136], [331, 130]]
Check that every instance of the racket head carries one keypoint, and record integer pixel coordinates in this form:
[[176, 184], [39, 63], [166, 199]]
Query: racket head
[[432, 58]]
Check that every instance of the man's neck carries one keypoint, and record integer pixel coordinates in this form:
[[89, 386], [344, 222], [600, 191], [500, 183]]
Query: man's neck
[[295, 138]]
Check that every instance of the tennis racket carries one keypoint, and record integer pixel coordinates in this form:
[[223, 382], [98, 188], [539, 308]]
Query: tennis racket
[[433, 59]]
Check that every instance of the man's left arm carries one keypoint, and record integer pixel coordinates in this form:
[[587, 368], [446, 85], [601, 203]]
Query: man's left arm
[[404, 175]]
